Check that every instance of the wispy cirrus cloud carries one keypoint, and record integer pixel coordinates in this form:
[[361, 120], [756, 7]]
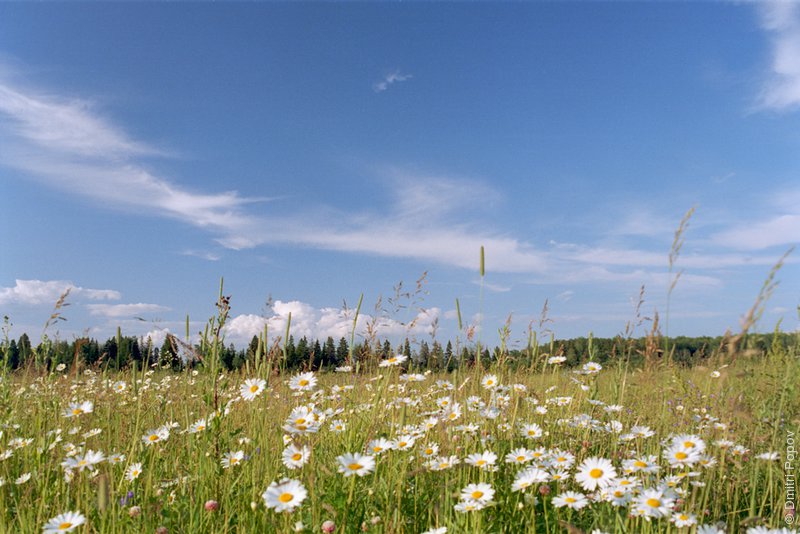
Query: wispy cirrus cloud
[[390, 79], [36, 292], [68, 144], [124, 310], [781, 90]]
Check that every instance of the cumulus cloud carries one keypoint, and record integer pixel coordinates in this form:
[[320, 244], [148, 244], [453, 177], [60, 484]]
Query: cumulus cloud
[[321, 323], [35, 292]]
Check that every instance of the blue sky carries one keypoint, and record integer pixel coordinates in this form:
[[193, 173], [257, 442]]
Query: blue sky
[[314, 152]]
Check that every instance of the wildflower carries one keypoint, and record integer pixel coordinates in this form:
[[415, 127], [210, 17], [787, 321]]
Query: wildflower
[[690, 442], [404, 442], [198, 426], [119, 386], [519, 456], [156, 436], [211, 506], [252, 388], [440, 463], [531, 430], [380, 445], [284, 496], [430, 450], [232, 459], [337, 425], [489, 381], [591, 368], [328, 527], [710, 529], [133, 471], [116, 458], [482, 460], [303, 382], [528, 477], [769, 456], [682, 519], [22, 479], [89, 459], [645, 464], [570, 499], [555, 360], [294, 457], [678, 456], [75, 409], [394, 360], [65, 522], [652, 503], [469, 506], [440, 530], [480, 492], [562, 460], [355, 464], [594, 473]]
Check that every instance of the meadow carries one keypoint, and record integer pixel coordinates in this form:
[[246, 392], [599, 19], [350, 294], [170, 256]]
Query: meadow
[[492, 447]]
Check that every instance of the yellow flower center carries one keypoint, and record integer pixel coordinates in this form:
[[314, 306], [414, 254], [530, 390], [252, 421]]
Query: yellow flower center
[[297, 456], [561, 459], [65, 525], [655, 503], [253, 388], [377, 449], [476, 494], [303, 382], [639, 463], [300, 421], [77, 411], [429, 451], [596, 473], [286, 497], [570, 499], [153, 437], [489, 382], [520, 458], [480, 462], [402, 444], [680, 455], [355, 467], [688, 444], [391, 360]]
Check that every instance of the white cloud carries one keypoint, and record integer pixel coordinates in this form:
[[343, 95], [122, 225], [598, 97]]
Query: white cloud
[[124, 310], [781, 90], [389, 79], [34, 292], [313, 323], [778, 230]]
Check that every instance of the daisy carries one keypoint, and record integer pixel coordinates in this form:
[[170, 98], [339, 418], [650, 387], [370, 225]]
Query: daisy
[[22, 479], [769, 456], [440, 530], [489, 381], [429, 451], [405, 442], [303, 382], [570, 499], [133, 471], [394, 360], [689, 441], [617, 496], [652, 503], [75, 409], [531, 430], [119, 386], [116, 458], [377, 446], [469, 506], [594, 473], [65, 522], [232, 459], [452, 413], [678, 456], [156, 436], [480, 492], [252, 388], [337, 425], [295, 457], [519, 456], [682, 519], [562, 460], [555, 360], [198, 426], [284, 496], [440, 463], [528, 477], [710, 529], [482, 460], [355, 464], [645, 464]]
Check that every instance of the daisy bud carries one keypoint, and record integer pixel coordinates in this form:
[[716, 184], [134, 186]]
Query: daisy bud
[[161, 530], [299, 526], [544, 490], [253, 505], [211, 506], [134, 511], [328, 527], [375, 520]]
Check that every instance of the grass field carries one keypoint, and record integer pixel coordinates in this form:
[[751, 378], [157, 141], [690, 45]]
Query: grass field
[[618, 449]]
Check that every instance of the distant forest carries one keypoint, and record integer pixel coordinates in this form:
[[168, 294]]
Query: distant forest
[[304, 354]]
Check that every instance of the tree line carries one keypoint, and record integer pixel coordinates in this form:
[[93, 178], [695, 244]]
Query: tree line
[[121, 352]]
